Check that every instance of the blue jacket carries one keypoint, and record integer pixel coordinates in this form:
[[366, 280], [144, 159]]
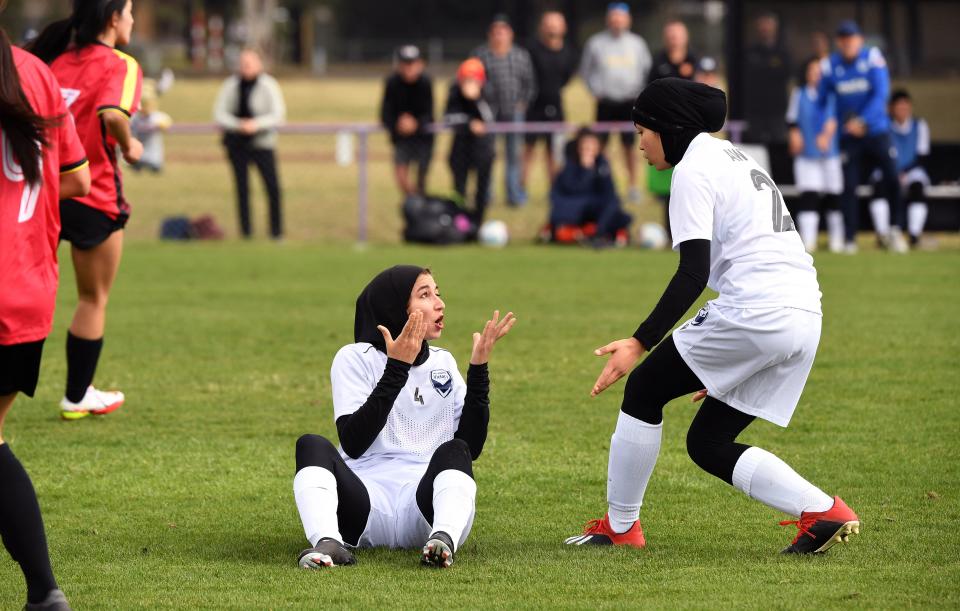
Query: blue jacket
[[861, 88], [809, 115], [578, 189]]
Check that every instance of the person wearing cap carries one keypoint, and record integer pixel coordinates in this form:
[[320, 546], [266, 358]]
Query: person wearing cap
[[707, 72], [614, 66], [746, 354], [511, 86], [468, 113], [858, 77], [675, 59], [406, 112], [767, 72]]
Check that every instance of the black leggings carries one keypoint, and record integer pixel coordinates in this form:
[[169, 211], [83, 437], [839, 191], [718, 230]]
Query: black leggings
[[711, 440], [353, 507]]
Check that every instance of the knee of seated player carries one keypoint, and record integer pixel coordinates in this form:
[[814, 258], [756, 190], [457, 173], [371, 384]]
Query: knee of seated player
[[315, 451], [454, 454], [916, 192]]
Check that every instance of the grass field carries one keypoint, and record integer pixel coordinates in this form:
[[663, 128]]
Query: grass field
[[183, 499]]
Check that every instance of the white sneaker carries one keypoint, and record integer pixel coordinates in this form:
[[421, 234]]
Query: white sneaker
[[850, 248], [96, 402], [898, 243]]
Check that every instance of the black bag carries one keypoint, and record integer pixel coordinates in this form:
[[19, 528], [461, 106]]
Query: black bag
[[433, 220], [176, 228]]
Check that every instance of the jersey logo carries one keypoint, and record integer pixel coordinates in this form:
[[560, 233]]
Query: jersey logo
[[417, 397], [700, 317], [69, 95], [442, 382]]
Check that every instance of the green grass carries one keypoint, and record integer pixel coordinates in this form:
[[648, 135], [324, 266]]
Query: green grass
[[183, 499]]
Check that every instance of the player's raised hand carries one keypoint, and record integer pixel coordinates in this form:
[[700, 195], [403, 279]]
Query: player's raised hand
[[407, 345], [493, 330], [623, 356]]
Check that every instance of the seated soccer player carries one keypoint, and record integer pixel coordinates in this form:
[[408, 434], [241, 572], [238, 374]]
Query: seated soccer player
[[584, 192], [409, 429]]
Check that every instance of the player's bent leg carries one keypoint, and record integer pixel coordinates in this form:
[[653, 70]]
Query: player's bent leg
[[446, 497], [635, 445], [331, 500]]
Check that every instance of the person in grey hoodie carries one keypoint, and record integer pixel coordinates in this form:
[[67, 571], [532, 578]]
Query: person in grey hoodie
[[615, 66], [249, 109]]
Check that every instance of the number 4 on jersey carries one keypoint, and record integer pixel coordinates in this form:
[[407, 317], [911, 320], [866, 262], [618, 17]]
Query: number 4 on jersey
[[781, 217]]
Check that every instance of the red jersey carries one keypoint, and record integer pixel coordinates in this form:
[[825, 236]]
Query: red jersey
[[30, 214], [97, 79]]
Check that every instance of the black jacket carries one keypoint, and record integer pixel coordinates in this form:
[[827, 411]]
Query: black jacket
[[401, 97]]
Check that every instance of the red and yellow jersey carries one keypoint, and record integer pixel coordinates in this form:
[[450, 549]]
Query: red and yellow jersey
[[30, 213], [96, 79]]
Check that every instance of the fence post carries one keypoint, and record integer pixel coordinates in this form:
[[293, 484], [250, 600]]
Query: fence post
[[362, 186]]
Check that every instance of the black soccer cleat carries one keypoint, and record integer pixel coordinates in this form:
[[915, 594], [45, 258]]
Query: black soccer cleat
[[818, 531], [438, 551], [55, 601], [327, 552]]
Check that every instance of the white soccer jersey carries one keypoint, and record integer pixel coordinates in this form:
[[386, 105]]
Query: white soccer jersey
[[757, 259], [425, 414]]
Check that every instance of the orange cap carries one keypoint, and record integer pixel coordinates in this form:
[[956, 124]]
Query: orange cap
[[472, 69]]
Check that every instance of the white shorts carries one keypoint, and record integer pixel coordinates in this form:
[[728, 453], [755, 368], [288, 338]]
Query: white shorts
[[395, 519], [818, 175], [754, 360]]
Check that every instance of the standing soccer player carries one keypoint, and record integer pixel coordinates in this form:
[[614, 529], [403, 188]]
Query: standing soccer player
[[409, 429], [43, 160], [101, 87], [751, 348]]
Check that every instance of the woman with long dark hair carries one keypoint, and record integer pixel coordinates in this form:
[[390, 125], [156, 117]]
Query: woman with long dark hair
[[101, 87], [42, 160]]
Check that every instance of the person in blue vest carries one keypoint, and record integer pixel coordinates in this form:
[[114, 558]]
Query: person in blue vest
[[911, 139], [817, 169], [858, 77]]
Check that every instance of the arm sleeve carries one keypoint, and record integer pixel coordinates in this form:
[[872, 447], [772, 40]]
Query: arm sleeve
[[530, 84], [684, 288], [361, 412], [388, 116], [587, 73], [71, 152], [793, 107], [121, 90], [923, 138], [425, 117], [691, 207], [825, 87], [223, 113], [278, 107], [879, 76], [476, 410]]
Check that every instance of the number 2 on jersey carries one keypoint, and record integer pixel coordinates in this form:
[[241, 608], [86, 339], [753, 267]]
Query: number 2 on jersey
[[781, 219], [13, 172]]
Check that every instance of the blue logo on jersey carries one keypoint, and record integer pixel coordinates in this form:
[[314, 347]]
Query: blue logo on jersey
[[700, 317], [442, 382]]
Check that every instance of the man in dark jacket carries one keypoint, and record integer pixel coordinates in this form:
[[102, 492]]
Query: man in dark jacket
[[675, 59], [407, 112]]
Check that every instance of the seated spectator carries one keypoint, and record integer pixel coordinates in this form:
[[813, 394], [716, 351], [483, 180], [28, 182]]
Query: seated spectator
[[472, 150], [407, 112], [911, 138], [584, 193]]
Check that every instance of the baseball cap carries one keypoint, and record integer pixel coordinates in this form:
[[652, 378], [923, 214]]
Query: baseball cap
[[618, 6], [848, 27], [472, 69], [500, 18], [707, 64], [408, 53]]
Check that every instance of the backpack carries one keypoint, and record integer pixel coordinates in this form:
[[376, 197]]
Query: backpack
[[434, 220]]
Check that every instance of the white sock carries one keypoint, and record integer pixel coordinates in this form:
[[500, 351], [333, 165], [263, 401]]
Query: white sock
[[454, 501], [916, 218], [808, 223], [880, 212], [835, 230], [634, 447], [766, 478], [315, 490]]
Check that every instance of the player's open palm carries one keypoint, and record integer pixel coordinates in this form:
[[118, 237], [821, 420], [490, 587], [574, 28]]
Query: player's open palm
[[407, 345], [493, 330], [623, 356]]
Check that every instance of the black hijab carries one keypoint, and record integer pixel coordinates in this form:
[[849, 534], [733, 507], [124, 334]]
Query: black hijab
[[384, 302], [679, 110]]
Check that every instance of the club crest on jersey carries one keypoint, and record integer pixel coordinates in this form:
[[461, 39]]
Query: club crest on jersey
[[700, 317], [442, 381]]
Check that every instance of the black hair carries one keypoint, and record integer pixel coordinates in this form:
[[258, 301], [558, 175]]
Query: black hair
[[802, 72], [900, 94], [84, 25], [22, 126]]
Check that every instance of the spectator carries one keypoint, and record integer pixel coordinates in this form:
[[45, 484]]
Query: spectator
[[820, 44], [675, 59], [615, 66], [554, 63], [858, 77], [148, 125], [911, 138], [468, 113], [817, 170], [510, 89], [249, 109], [767, 78], [583, 192], [407, 112], [707, 72]]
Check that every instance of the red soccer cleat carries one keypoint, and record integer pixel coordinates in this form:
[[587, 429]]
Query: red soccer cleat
[[598, 532], [818, 531]]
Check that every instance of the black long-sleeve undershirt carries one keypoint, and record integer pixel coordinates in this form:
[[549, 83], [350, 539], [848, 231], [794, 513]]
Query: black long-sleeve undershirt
[[686, 285], [358, 431]]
